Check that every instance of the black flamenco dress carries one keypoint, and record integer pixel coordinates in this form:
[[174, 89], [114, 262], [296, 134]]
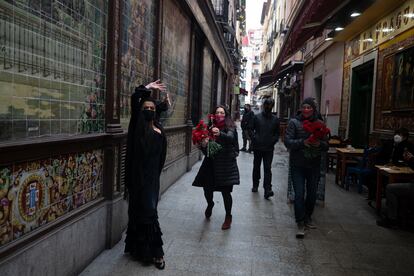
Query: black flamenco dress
[[143, 239]]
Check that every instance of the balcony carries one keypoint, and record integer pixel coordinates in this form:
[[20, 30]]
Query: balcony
[[221, 9]]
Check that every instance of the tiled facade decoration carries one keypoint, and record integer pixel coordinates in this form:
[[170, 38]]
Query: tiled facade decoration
[[207, 81], [346, 90], [52, 67], [33, 194], [137, 50], [176, 37], [394, 96], [175, 146]]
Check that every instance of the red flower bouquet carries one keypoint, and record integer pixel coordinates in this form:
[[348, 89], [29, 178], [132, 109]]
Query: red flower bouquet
[[318, 131], [202, 132]]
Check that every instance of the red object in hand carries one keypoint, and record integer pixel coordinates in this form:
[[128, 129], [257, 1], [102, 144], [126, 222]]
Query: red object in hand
[[317, 129], [200, 133]]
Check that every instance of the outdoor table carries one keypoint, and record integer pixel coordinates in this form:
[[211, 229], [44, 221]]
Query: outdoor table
[[394, 174], [344, 156]]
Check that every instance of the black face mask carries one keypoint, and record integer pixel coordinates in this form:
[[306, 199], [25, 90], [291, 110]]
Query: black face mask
[[148, 115]]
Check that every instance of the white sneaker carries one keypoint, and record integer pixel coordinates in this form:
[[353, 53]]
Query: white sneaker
[[300, 234]]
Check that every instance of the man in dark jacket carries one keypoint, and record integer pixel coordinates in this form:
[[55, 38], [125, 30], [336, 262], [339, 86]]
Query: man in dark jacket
[[305, 168], [264, 132], [247, 117]]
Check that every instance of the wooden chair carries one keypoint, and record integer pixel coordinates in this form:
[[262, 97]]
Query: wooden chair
[[333, 142]]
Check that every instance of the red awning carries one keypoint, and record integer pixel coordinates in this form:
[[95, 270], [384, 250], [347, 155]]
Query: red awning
[[309, 20]]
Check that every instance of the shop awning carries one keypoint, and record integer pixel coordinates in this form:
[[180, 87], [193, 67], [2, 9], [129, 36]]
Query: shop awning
[[268, 78], [309, 20], [265, 79], [293, 66]]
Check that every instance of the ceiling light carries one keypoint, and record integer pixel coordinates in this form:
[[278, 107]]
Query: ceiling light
[[338, 29], [409, 15], [355, 14], [328, 38], [387, 30], [368, 40]]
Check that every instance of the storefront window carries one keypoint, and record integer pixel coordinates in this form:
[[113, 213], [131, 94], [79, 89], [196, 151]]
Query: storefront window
[[52, 68], [138, 50]]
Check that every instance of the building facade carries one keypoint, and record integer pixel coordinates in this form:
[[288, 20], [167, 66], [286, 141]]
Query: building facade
[[67, 71], [284, 86], [322, 78], [378, 67], [356, 64]]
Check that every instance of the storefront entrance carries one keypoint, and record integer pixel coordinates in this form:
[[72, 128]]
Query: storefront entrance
[[361, 99]]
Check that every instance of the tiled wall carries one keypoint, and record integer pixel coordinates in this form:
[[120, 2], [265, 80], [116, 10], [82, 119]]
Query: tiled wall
[[138, 49], [52, 67], [394, 96], [207, 80], [176, 35], [36, 193]]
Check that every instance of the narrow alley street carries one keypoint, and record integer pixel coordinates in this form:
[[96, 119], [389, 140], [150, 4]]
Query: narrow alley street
[[262, 238]]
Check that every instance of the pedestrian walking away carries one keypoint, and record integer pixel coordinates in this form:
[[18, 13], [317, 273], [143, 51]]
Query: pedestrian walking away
[[245, 122], [306, 139], [146, 153], [220, 173], [264, 132]]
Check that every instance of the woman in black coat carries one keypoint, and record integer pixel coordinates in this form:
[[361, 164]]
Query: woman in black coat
[[146, 152], [221, 172]]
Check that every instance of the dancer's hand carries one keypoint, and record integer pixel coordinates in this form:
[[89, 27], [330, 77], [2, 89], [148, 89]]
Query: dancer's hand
[[157, 85]]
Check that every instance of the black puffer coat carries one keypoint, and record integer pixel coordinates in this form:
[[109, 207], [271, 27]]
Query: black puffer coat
[[294, 141], [222, 170]]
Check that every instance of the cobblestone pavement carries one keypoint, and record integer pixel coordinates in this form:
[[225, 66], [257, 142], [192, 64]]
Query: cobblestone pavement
[[262, 238]]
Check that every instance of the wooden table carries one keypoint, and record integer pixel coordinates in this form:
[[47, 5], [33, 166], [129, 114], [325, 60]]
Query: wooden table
[[344, 156], [395, 174]]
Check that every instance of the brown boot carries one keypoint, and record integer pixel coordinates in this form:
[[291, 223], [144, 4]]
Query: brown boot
[[227, 222]]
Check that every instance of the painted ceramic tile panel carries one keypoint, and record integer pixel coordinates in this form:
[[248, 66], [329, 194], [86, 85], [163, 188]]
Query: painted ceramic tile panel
[[207, 79], [138, 48], [175, 61], [52, 67], [35, 193], [175, 145]]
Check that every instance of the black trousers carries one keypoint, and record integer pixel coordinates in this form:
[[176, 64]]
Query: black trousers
[[246, 138], [227, 199], [267, 157]]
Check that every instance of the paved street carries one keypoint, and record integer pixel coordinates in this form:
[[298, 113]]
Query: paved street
[[262, 238]]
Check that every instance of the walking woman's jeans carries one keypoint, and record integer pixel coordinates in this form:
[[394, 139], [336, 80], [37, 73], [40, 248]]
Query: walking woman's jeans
[[305, 179]]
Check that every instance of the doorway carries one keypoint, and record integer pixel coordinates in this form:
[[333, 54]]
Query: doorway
[[318, 91], [361, 101]]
